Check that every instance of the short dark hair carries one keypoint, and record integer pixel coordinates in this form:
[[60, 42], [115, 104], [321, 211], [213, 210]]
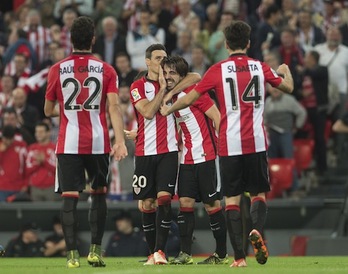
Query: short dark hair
[[315, 55], [82, 33], [122, 54], [237, 35], [9, 110], [8, 132], [152, 48], [177, 62], [43, 124], [269, 11]]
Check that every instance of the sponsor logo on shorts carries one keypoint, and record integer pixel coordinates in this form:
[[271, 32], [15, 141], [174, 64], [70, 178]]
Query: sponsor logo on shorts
[[212, 194]]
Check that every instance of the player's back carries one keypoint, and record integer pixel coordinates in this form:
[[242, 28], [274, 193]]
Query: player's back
[[80, 84], [239, 83]]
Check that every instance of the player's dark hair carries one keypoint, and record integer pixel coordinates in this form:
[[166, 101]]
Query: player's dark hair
[[177, 63], [82, 33], [153, 47], [237, 35]]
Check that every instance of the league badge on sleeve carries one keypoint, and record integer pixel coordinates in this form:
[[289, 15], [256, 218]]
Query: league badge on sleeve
[[135, 94]]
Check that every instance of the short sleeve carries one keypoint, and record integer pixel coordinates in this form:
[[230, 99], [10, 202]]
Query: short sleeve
[[204, 102], [137, 91], [209, 80], [52, 79], [112, 84], [271, 76]]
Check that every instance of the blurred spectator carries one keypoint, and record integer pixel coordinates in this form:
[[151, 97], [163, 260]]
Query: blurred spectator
[[333, 55], [56, 33], [55, 243], [145, 35], [212, 21], [199, 36], [7, 85], [283, 114], [110, 42], [131, 13], [26, 244], [84, 7], [22, 71], [344, 26], [10, 118], [289, 14], [69, 16], [341, 125], [162, 18], [199, 62], [127, 241], [46, 11], [182, 21], [315, 100], [292, 55], [255, 18], [217, 50], [27, 114], [125, 72], [105, 8], [126, 166], [331, 15], [41, 165], [309, 35], [268, 35], [12, 165], [184, 47], [38, 36], [18, 43]]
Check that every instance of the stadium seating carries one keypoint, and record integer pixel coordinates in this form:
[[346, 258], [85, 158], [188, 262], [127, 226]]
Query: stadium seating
[[303, 155], [281, 176]]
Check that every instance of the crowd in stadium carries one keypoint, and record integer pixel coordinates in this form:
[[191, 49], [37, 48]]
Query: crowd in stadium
[[35, 34]]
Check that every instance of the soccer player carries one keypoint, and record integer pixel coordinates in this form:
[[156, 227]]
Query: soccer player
[[197, 174], [239, 85], [156, 152], [83, 85]]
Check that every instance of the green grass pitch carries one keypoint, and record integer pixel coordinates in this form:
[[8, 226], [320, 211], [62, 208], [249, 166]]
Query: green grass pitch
[[275, 265]]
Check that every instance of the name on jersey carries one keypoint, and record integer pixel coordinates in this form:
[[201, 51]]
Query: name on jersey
[[71, 69], [249, 67]]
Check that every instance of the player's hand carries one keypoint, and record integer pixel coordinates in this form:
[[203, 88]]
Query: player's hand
[[119, 151], [164, 109], [162, 81], [283, 69]]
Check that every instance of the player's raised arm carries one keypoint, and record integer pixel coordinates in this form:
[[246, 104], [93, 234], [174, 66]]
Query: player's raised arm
[[287, 84], [190, 79], [181, 103]]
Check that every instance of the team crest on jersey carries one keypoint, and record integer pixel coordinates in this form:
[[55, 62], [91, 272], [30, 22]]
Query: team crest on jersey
[[135, 94], [137, 190]]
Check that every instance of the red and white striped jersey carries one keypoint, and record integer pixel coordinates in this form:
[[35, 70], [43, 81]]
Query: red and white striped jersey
[[80, 84], [239, 84], [39, 39], [155, 136], [198, 134]]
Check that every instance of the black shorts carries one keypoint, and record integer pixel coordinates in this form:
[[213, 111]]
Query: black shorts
[[244, 173], [72, 169], [153, 174], [199, 181]]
